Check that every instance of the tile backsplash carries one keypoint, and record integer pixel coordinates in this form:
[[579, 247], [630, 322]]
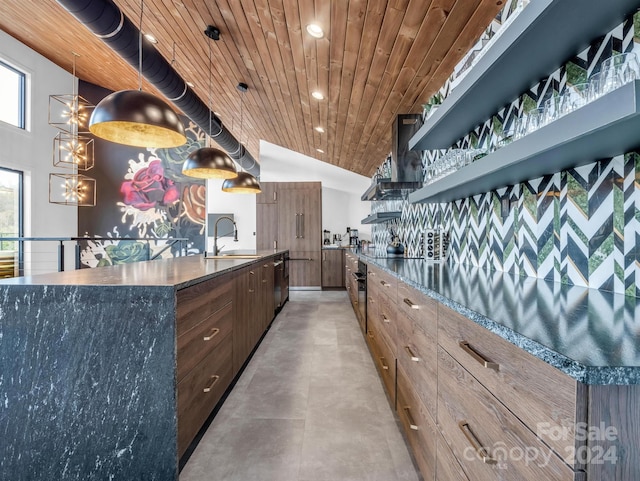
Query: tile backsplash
[[579, 226]]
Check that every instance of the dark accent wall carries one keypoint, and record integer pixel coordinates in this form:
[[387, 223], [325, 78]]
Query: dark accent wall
[[141, 193]]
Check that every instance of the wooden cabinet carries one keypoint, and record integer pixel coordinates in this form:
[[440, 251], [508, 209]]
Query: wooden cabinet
[[486, 437], [266, 226], [269, 194], [519, 380], [204, 353], [473, 406], [332, 268], [289, 216], [419, 428], [219, 323]]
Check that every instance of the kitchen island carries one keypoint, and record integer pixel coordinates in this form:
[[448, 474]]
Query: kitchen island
[[98, 364]]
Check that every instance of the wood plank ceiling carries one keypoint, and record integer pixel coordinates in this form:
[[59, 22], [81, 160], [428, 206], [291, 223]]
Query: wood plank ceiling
[[377, 59]]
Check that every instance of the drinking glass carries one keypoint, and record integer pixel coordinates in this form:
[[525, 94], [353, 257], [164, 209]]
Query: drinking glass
[[550, 110], [574, 97], [621, 68]]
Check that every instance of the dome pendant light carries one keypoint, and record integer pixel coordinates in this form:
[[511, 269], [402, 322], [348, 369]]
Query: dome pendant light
[[137, 118], [245, 183], [208, 162]]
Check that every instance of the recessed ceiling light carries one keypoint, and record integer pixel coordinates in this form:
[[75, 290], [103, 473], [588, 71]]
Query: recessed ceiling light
[[190, 84], [319, 129], [315, 30], [151, 38], [320, 150], [317, 95]]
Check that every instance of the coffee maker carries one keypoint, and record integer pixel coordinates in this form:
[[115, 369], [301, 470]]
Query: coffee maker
[[353, 237]]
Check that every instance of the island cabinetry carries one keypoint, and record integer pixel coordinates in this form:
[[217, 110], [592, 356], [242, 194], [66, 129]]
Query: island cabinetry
[[520, 381], [266, 304], [204, 327]]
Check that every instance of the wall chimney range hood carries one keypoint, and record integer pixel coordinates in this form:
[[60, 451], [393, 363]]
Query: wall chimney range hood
[[406, 165]]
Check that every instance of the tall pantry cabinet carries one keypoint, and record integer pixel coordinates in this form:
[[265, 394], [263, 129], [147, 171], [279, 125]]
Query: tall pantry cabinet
[[289, 216]]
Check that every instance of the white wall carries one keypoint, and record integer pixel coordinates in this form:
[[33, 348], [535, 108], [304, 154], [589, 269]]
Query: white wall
[[243, 208], [30, 151], [341, 191], [341, 188]]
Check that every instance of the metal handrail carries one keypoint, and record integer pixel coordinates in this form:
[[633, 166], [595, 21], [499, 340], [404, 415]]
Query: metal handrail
[[61, 248]]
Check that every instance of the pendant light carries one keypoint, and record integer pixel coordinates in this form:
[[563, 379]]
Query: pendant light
[[137, 118], [245, 183], [209, 162]]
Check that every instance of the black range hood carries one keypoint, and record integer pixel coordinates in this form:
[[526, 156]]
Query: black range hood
[[406, 164]]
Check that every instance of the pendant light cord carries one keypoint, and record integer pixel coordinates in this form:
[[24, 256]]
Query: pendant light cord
[[210, 101], [140, 47]]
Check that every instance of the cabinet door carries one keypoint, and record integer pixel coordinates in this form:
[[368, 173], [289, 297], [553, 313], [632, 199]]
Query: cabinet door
[[299, 218], [267, 304], [269, 194], [332, 268], [304, 269], [267, 226]]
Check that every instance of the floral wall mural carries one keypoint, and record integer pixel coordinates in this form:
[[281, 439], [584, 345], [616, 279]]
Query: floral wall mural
[[141, 193]]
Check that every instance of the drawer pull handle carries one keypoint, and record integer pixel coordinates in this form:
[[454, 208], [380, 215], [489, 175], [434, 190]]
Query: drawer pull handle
[[482, 452], [411, 354], [252, 273], [408, 302], [371, 300], [251, 290], [385, 319], [385, 284], [466, 347], [384, 364], [264, 281], [370, 334], [412, 423], [214, 332], [214, 380]]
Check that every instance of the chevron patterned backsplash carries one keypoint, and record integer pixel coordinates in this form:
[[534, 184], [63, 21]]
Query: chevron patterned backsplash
[[580, 226]]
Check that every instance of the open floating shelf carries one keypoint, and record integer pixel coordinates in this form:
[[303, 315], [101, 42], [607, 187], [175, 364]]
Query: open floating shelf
[[607, 127], [537, 42], [380, 217]]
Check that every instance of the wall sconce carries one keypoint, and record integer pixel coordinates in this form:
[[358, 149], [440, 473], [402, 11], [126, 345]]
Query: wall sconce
[[72, 189]]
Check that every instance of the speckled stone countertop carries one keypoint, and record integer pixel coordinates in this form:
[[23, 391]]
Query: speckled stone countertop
[[591, 335], [178, 272], [88, 369]]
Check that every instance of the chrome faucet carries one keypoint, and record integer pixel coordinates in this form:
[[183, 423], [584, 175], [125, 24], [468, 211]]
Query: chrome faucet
[[215, 233]]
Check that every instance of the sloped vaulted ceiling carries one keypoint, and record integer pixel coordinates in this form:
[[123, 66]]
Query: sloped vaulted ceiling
[[378, 58]]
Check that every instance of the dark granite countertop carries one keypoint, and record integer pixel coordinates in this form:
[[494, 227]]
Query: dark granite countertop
[[591, 335], [178, 272]]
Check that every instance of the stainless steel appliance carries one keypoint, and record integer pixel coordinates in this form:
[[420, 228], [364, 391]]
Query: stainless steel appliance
[[281, 280], [361, 277]]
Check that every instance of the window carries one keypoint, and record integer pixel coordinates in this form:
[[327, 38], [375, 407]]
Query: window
[[10, 221], [12, 95]]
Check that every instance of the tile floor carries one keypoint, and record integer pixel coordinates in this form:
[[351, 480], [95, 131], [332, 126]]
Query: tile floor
[[308, 407]]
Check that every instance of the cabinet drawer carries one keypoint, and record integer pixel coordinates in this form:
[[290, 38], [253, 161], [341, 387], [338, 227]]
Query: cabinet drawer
[[415, 304], [420, 430], [379, 278], [200, 390], [387, 318], [384, 361], [545, 399], [448, 468], [197, 342], [196, 303], [488, 441], [418, 356]]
